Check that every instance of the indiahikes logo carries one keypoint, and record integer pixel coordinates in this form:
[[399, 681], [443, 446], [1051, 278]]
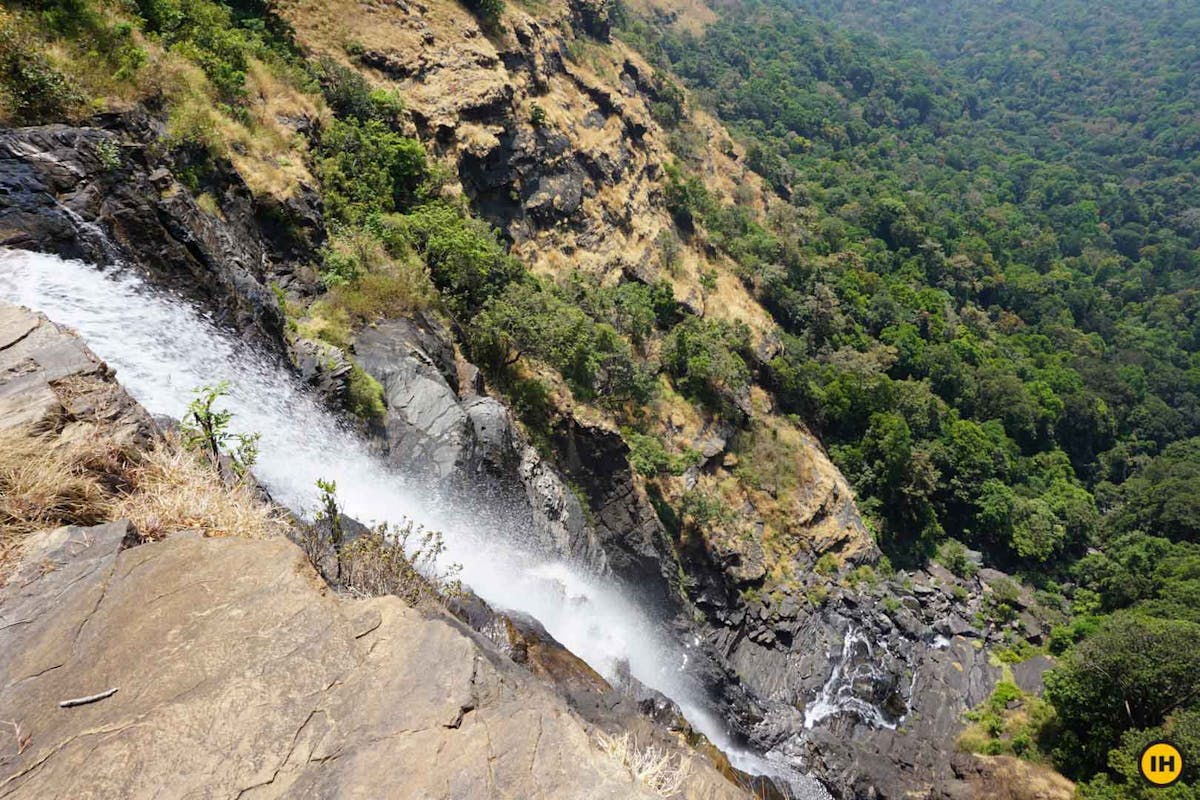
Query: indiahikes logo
[[1161, 763]]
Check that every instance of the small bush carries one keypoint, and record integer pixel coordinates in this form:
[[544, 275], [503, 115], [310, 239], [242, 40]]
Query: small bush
[[700, 509], [863, 575], [205, 429], [952, 554], [1000, 604], [403, 560], [537, 116], [526, 319], [650, 458], [466, 260], [109, 153], [351, 97], [366, 396], [366, 169]]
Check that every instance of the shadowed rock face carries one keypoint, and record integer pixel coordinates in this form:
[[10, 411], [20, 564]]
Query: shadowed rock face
[[56, 184]]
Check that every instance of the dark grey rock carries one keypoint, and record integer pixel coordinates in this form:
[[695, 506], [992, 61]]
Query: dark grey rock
[[1029, 674]]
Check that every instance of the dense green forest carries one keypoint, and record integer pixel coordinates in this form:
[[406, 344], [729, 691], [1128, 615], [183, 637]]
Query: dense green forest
[[988, 273]]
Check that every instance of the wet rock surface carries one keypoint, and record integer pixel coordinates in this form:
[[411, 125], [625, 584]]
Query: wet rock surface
[[106, 194]]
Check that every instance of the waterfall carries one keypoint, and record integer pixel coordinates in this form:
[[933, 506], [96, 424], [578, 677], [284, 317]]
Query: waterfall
[[854, 686], [162, 348]]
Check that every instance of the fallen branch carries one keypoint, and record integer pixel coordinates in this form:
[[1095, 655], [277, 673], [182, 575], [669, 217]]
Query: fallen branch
[[91, 698]]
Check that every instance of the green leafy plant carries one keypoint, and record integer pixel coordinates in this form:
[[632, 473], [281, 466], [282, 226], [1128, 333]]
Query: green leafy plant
[[205, 428], [537, 116], [109, 153]]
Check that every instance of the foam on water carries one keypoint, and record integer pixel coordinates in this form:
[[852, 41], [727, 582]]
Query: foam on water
[[163, 348]]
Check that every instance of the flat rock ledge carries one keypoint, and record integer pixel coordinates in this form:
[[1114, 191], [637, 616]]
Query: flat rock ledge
[[238, 674]]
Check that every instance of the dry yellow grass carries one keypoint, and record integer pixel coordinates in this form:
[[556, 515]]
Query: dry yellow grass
[[46, 482], [269, 156], [172, 490], [691, 16], [81, 477], [652, 766]]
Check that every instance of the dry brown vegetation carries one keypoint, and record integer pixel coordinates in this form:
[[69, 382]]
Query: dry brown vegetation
[[48, 481], [172, 489], [655, 768], [81, 477]]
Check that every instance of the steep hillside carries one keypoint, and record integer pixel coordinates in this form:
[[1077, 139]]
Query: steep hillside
[[1002, 248], [550, 129]]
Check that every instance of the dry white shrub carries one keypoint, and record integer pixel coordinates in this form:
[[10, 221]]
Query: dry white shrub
[[658, 770]]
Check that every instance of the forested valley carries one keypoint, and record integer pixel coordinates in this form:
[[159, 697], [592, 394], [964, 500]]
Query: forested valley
[[987, 275]]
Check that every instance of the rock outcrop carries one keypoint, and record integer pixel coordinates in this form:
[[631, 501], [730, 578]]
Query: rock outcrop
[[106, 193], [239, 674], [49, 380], [229, 668]]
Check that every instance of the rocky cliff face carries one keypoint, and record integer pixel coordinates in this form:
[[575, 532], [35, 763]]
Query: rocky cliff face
[[109, 192]]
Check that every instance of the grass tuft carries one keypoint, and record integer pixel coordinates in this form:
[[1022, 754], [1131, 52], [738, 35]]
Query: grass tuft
[[654, 767], [81, 477], [47, 481], [173, 489]]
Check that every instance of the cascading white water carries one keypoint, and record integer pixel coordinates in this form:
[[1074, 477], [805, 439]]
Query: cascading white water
[[840, 695], [163, 348]]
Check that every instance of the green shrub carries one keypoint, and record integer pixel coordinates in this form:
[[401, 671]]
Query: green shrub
[[650, 458], [952, 554], [635, 309], [700, 509], [402, 560], [31, 89], [365, 396], [537, 116], [703, 357], [349, 254], [1000, 603], [526, 319], [351, 97], [827, 564], [206, 34], [465, 258], [205, 428], [366, 169]]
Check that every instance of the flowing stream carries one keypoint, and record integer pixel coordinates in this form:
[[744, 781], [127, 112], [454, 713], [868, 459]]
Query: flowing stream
[[163, 348]]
